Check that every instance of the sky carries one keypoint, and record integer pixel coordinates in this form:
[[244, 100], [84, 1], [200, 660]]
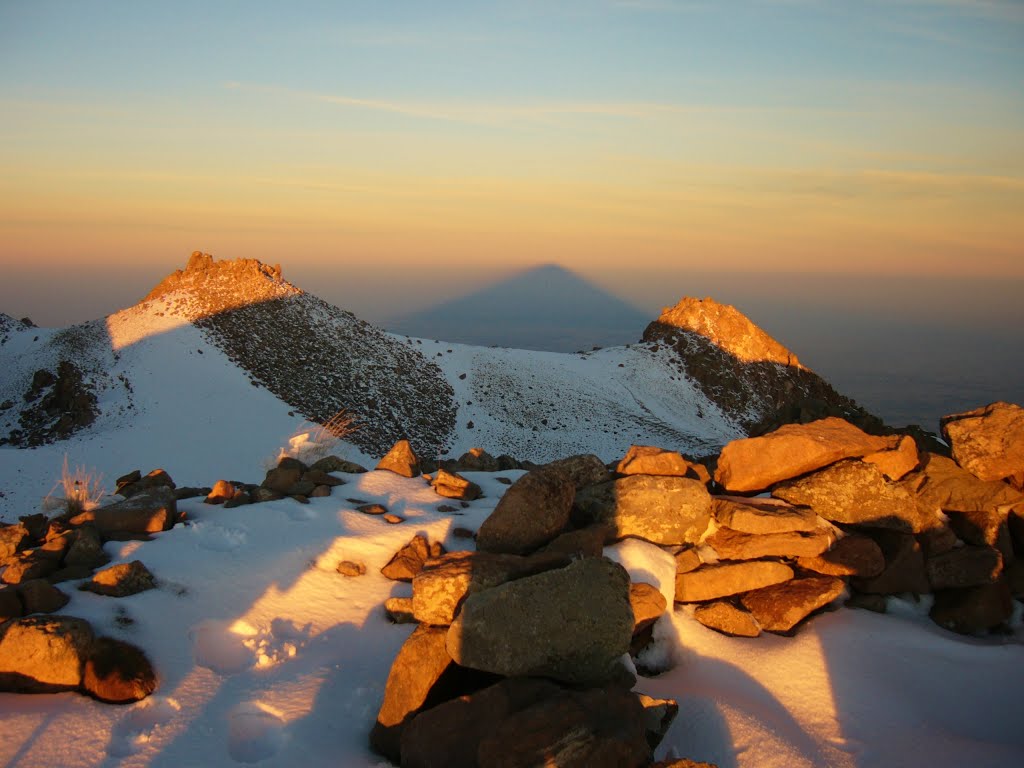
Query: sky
[[430, 146]]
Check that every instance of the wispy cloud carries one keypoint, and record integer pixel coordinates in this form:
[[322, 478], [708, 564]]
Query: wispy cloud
[[483, 113]]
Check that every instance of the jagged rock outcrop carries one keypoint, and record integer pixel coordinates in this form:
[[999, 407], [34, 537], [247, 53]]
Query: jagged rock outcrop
[[752, 377], [57, 405]]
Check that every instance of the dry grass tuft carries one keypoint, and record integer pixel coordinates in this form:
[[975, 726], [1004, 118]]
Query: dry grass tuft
[[312, 441], [82, 489]]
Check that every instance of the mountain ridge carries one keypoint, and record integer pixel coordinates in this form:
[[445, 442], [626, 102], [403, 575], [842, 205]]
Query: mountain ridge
[[676, 387]]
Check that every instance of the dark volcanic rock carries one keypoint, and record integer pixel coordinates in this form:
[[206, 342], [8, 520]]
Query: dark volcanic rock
[[523, 722], [533, 511], [571, 624]]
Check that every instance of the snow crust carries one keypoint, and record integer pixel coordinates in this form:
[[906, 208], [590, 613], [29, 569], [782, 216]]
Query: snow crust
[[268, 656]]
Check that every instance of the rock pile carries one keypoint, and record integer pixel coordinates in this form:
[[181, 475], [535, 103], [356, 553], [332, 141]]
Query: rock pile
[[522, 645]]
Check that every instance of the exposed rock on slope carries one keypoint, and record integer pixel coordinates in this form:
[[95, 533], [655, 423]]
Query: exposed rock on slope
[[316, 357], [748, 374]]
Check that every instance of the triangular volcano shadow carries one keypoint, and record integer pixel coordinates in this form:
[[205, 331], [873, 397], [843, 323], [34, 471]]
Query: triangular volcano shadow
[[547, 308]]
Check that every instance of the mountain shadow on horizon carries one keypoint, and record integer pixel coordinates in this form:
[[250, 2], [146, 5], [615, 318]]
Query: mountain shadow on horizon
[[547, 308]]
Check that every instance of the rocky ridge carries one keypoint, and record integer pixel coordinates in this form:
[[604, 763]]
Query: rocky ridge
[[317, 358], [752, 377]]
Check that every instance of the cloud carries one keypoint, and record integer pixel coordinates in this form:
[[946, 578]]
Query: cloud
[[485, 113]]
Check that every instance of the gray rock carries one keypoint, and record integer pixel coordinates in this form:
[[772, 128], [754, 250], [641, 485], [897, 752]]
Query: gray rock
[[442, 583], [533, 511], [571, 624]]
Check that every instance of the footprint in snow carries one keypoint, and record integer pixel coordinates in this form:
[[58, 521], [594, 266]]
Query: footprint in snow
[[255, 732], [135, 729], [218, 538], [218, 646]]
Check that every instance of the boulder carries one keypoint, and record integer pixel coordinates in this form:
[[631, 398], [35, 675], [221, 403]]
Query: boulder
[[964, 567], [401, 460], [13, 539], [658, 717], [989, 442], [762, 515], [117, 672], [983, 529], [86, 549], [530, 722], [319, 477], [662, 510], [856, 493], [733, 545], [688, 559], [26, 566], [121, 580], [10, 605], [284, 476], [650, 460], [781, 607], [896, 462], [335, 464], [399, 610], [583, 542], [222, 491], [442, 583], [583, 470], [149, 511], [757, 463], [419, 664], [710, 582], [648, 605], [571, 624], [942, 485], [532, 512], [409, 560], [43, 654], [904, 566], [155, 479], [724, 617], [852, 555], [973, 610], [40, 596], [596, 728], [477, 460], [453, 486]]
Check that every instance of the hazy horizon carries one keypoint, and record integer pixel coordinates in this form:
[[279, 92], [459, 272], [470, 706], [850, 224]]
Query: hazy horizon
[[908, 348], [849, 174]]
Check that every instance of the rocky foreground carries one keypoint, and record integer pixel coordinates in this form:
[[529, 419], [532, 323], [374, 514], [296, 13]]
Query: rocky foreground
[[529, 644]]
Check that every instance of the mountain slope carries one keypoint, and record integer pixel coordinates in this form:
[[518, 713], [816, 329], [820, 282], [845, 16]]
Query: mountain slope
[[547, 308], [234, 344]]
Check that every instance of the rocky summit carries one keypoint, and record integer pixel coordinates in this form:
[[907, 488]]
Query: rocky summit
[[752, 377]]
